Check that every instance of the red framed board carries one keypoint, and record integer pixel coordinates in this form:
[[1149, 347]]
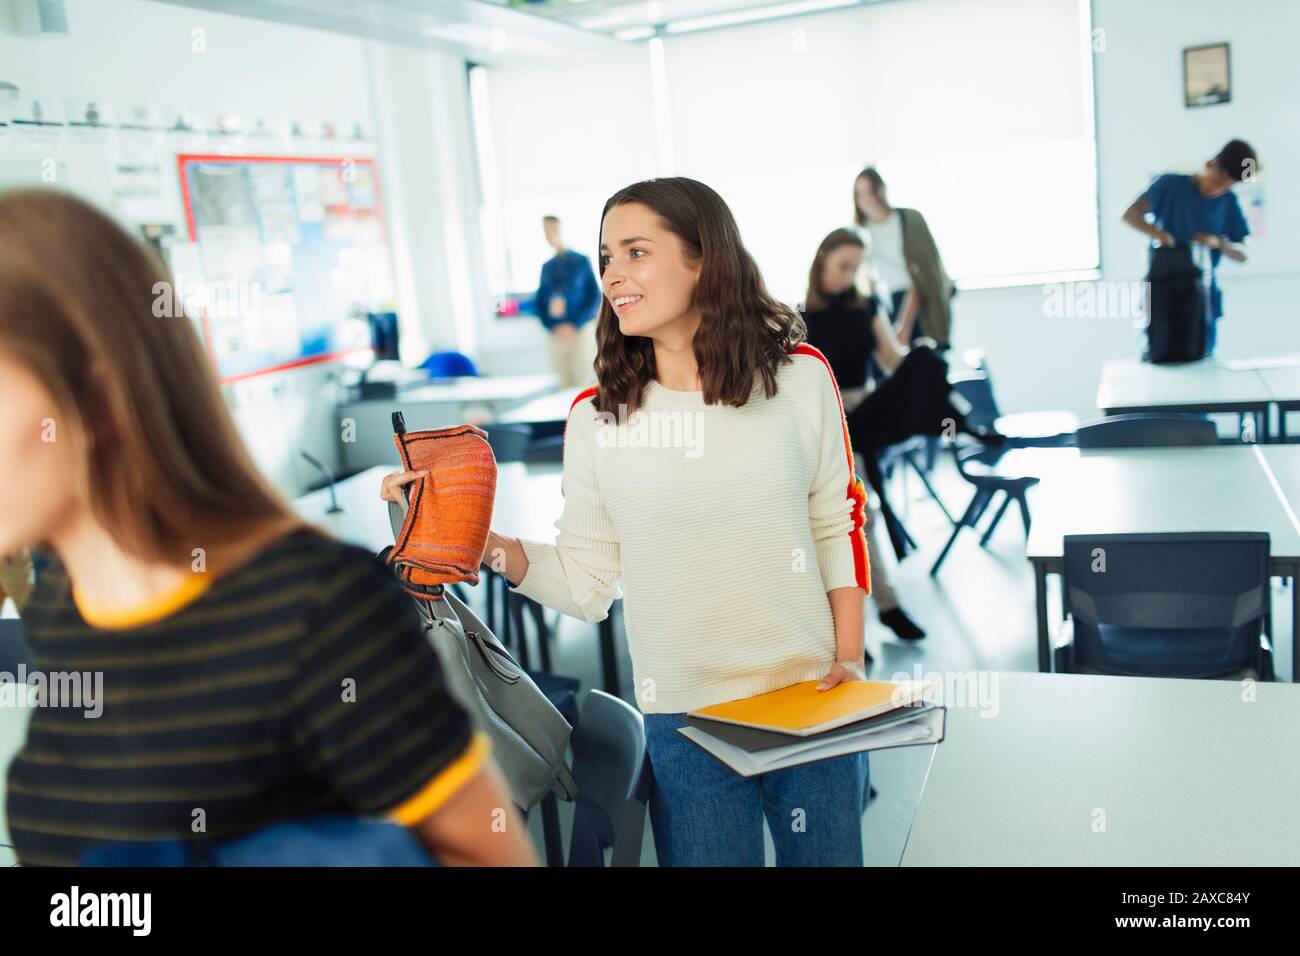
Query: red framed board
[[290, 253]]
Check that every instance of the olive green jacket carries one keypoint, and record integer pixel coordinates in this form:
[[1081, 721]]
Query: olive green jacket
[[929, 278]]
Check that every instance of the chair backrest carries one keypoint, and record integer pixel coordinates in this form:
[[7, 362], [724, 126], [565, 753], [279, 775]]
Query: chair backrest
[[977, 389], [609, 765], [14, 649], [509, 442], [1184, 604], [449, 365], [1147, 431]]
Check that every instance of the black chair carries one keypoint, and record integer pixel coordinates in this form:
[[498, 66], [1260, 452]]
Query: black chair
[[1147, 431], [914, 453], [984, 469], [545, 451], [1039, 429], [509, 442], [1186, 604], [614, 781]]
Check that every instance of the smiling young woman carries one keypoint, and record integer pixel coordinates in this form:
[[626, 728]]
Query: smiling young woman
[[742, 556]]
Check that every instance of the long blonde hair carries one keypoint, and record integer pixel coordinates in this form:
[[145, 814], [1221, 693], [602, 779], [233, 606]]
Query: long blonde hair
[[160, 463]]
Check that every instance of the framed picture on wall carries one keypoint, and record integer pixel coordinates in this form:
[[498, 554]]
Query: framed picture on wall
[[1207, 75]]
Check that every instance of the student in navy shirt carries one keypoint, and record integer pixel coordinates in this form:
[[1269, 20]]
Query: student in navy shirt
[[1200, 209], [566, 303]]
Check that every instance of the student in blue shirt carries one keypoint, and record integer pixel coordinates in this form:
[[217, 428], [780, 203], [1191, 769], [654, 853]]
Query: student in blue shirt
[[1201, 209], [566, 303]]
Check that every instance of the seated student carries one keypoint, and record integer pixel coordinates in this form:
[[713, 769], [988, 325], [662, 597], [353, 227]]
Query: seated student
[[1199, 209], [849, 330], [254, 670]]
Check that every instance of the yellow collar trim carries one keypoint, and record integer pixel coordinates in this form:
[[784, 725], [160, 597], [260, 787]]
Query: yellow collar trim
[[156, 609]]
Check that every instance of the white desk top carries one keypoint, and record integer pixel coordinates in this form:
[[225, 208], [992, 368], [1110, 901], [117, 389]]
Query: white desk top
[[1184, 772], [1214, 488], [1282, 383], [528, 503], [487, 388], [548, 408], [1132, 384]]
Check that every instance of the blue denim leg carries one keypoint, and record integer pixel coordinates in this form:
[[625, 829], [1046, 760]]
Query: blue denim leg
[[702, 812], [1211, 336], [815, 811]]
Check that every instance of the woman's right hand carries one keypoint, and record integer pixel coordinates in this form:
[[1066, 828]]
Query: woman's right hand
[[390, 488], [1164, 239]]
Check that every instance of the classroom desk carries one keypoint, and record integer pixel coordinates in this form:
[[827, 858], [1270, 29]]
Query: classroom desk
[[1214, 488], [1129, 385], [435, 405], [1178, 772], [546, 415], [1283, 383], [528, 503]]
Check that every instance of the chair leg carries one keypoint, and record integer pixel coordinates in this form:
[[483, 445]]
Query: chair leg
[[515, 614], [543, 634], [608, 655], [988, 500], [929, 488], [551, 831], [975, 508], [490, 601], [988, 532], [1024, 511]]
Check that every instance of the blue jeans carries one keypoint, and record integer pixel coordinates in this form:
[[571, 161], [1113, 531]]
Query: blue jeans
[[319, 841], [705, 814]]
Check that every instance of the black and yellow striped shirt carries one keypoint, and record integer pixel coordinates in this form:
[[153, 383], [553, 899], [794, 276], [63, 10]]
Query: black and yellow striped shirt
[[296, 685]]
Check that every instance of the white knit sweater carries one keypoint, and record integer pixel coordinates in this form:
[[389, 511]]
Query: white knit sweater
[[726, 526]]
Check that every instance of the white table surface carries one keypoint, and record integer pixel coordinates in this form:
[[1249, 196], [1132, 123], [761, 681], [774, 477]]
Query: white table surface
[[1283, 383], [1212, 488], [1133, 384], [1179, 773], [548, 408], [486, 388]]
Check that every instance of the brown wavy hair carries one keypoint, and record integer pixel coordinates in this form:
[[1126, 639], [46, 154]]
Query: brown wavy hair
[[744, 332], [160, 463], [815, 300]]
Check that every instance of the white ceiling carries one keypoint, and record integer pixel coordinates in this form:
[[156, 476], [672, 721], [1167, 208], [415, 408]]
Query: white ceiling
[[608, 16], [486, 31]]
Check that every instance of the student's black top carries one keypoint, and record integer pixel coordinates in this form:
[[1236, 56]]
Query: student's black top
[[844, 333], [296, 685]]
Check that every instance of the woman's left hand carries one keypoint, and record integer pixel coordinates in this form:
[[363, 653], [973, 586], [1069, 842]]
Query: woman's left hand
[[840, 672]]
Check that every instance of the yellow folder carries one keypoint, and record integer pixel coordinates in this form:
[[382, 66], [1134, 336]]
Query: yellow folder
[[802, 711]]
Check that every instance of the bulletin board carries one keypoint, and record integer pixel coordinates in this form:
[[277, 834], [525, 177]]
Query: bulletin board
[[286, 256]]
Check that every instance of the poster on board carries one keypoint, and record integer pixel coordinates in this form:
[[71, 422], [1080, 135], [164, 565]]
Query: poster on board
[[292, 254]]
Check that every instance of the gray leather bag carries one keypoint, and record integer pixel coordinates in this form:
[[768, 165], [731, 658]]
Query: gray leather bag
[[529, 736]]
